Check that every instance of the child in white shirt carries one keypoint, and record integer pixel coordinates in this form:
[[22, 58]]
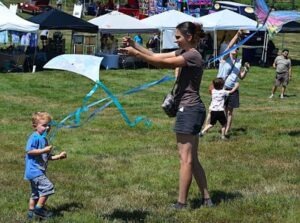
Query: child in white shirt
[[216, 107]]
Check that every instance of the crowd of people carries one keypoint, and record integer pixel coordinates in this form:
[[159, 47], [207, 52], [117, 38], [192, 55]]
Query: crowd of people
[[102, 8]]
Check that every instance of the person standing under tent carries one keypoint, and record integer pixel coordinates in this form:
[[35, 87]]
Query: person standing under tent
[[59, 4], [138, 38], [44, 37]]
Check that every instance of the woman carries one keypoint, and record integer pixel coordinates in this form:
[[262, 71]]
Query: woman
[[230, 70], [191, 110]]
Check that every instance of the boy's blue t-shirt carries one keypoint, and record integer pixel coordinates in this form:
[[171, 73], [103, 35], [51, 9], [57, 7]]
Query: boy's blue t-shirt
[[35, 165]]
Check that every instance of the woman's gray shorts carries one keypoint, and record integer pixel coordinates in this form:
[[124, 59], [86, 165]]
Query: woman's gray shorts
[[189, 120], [41, 186]]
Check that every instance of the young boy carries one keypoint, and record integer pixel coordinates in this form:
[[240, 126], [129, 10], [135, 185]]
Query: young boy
[[216, 107], [38, 152]]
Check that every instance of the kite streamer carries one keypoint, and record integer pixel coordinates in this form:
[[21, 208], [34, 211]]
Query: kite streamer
[[76, 115]]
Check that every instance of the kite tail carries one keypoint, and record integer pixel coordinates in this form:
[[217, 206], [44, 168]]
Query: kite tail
[[76, 115], [146, 121]]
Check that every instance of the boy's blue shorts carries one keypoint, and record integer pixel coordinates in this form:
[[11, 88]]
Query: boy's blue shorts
[[41, 186]]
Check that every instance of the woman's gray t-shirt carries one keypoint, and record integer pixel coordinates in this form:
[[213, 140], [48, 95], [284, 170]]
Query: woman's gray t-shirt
[[187, 90]]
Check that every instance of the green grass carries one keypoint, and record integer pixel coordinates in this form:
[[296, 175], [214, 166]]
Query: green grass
[[115, 173]]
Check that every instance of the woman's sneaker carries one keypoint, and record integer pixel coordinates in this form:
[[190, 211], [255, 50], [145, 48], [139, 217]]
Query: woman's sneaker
[[207, 203], [179, 206]]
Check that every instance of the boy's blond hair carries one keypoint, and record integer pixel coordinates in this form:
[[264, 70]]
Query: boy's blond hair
[[37, 116]]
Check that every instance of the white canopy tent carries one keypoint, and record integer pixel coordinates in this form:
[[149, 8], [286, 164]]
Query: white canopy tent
[[118, 22], [166, 22], [168, 19], [13, 8], [228, 20], [10, 21]]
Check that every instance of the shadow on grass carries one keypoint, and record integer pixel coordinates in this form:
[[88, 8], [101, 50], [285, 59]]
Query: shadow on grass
[[69, 207], [128, 216], [294, 133], [217, 197], [295, 62], [289, 95], [239, 131]]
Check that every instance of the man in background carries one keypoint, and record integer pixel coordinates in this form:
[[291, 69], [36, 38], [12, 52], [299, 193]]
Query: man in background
[[283, 66]]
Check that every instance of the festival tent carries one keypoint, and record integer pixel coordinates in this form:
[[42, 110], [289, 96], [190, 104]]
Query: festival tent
[[229, 20], [10, 21], [290, 27], [118, 22], [168, 19], [59, 20], [166, 22], [226, 20]]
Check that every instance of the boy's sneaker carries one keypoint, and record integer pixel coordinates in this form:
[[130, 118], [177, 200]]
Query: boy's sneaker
[[271, 96], [30, 214], [207, 203], [281, 96], [42, 213], [179, 206], [224, 137]]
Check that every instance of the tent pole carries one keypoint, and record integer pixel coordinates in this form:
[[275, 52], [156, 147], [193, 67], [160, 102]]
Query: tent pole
[[215, 46], [100, 42], [266, 51], [97, 42], [35, 52], [263, 51], [71, 48], [160, 40]]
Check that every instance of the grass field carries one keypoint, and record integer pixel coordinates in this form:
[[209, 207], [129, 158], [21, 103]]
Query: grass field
[[115, 173]]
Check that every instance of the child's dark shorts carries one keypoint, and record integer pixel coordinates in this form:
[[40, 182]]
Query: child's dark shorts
[[218, 116], [41, 186], [189, 120]]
